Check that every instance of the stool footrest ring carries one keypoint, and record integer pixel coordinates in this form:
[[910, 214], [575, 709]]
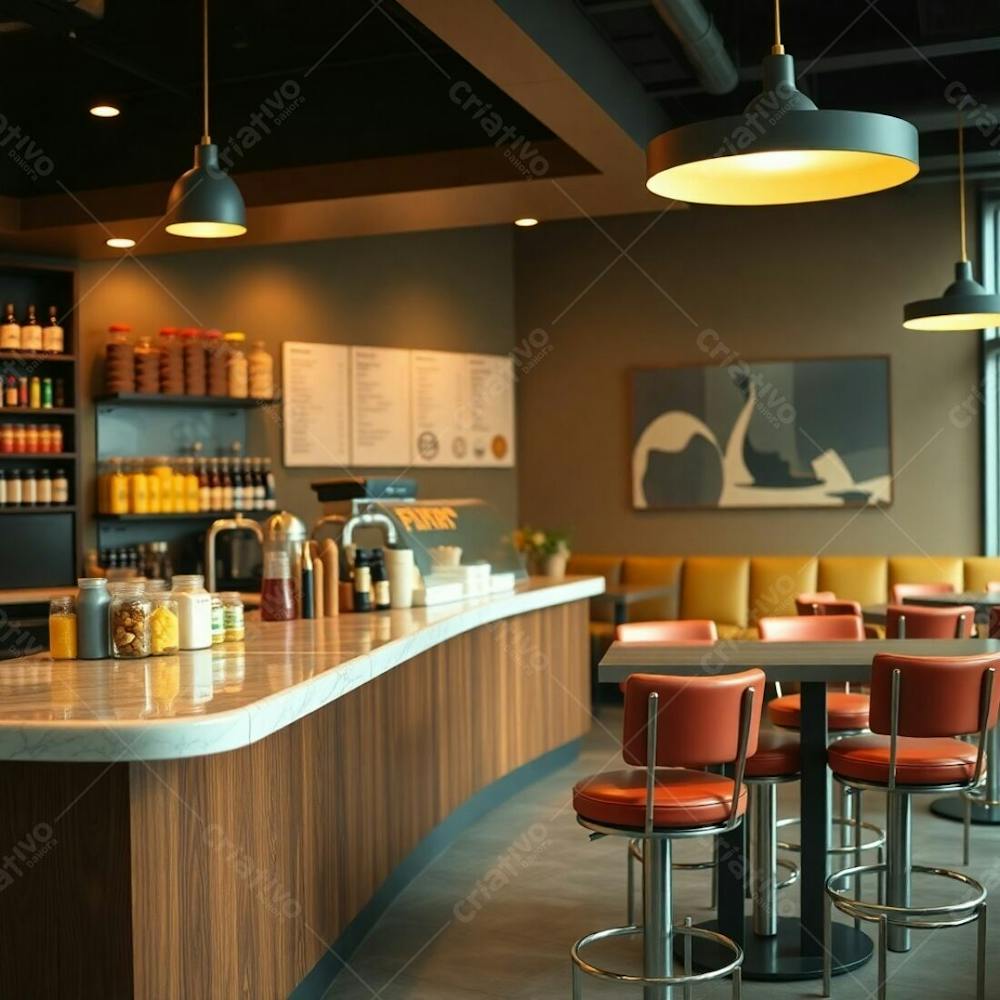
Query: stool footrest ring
[[623, 977], [872, 845]]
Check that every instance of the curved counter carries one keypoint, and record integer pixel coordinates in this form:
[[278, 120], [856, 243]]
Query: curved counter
[[229, 822]]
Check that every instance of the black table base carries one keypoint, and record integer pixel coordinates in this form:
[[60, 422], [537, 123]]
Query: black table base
[[953, 807], [781, 958]]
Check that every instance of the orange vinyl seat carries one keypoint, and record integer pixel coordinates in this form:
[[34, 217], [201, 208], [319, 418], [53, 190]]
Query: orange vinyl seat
[[778, 755], [900, 591], [681, 798], [923, 622], [939, 761], [844, 710]]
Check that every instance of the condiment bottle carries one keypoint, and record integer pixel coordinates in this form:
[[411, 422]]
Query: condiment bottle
[[152, 487], [233, 617], [10, 390], [20, 439], [35, 391], [237, 369], [138, 492], [62, 628], [53, 339], [3, 488], [43, 488], [10, 331], [277, 595], [261, 366], [308, 584], [218, 621], [31, 443], [194, 607], [14, 488], [6, 439], [380, 582], [118, 492], [93, 602], [60, 488], [31, 332], [29, 489], [191, 487]]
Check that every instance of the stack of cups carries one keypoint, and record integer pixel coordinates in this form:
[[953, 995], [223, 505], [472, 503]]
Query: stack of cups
[[399, 563]]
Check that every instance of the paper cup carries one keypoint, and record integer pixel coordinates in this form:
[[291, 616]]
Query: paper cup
[[399, 564]]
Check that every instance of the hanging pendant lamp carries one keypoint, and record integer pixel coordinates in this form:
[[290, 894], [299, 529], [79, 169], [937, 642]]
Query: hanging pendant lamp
[[782, 150], [965, 305], [205, 202]]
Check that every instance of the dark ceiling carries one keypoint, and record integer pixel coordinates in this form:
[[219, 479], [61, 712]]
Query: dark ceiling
[[372, 81], [893, 56]]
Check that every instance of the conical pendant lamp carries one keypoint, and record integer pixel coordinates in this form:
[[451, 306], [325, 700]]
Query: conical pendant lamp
[[965, 305], [205, 202], [782, 150]]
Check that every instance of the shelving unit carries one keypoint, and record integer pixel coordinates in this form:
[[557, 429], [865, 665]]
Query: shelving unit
[[42, 545], [200, 402], [205, 515]]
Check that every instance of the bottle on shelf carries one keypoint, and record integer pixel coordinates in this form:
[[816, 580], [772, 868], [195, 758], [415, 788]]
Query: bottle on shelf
[[46, 393], [31, 332], [138, 492], [35, 392], [237, 367], [10, 397], [118, 499], [60, 488], [147, 366], [215, 484], [152, 486], [31, 443], [261, 366], [53, 337], [119, 360], [270, 492], [29, 488], [10, 331], [59, 392], [22, 390], [3, 488], [43, 488], [227, 484], [204, 486], [162, 469], [191, 487], [14, 492]]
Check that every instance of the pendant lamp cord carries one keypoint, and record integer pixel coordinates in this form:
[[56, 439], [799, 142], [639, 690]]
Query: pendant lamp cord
[[206, 138], [777, 49], [961, 186]]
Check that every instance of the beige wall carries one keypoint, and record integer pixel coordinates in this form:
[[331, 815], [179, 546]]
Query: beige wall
[[450, 290], [783, 282]]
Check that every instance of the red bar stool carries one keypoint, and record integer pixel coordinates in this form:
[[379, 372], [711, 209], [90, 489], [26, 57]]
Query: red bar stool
[[919, 621], [900, 591], [918, 703], [703, 630], [846, 714], [672, 725]]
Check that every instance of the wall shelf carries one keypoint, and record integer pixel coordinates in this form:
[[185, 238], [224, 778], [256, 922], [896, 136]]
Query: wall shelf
[[34, 356], [51, 509], [53, 455], [200, 402], [12, 412], [207, 515]]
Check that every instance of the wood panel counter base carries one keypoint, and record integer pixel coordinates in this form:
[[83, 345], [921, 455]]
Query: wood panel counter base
[[232, 875]]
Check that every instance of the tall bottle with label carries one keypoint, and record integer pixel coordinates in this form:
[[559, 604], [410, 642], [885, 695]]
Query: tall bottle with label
[[53, 338], [10, 331], [31, 332]]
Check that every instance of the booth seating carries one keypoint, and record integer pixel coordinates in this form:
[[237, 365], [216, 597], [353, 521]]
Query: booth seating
[[736, 591]]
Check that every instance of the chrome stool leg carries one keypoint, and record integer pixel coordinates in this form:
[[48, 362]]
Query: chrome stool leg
[[848, 833], [967, 831], [657, 938], [827, 945], [631, 847], [764, 878], [688, 969], [900, 832], [981, 956], [883, 934]]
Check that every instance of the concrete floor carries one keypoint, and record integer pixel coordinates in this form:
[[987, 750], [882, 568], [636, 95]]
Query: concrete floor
[[493, 917]]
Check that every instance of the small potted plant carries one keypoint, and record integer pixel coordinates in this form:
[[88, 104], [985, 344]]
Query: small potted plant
[[546, 552]]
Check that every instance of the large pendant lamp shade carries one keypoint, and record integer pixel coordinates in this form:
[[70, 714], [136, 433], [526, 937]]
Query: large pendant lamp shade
[[205, 202], [782, 150], [965, 305]]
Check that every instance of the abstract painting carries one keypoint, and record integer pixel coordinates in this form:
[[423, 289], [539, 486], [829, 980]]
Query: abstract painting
[[805, 433]]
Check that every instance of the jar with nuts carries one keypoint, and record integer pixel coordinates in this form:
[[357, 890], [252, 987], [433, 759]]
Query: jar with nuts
[[130, 626]]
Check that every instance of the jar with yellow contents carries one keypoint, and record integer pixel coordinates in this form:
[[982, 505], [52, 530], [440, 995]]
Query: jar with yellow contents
[[163, 471], [117, 489], [164, 619], [62, 628]]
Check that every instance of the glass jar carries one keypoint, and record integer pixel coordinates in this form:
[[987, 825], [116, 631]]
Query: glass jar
[[147, 367], [119, 360], [171, 362], [194, 606], [162, 469], [218, 621], [62, 628], [261, 372], [129, 622], [164, 619], [277, 595], [215, 353], [233, 617], [237, 369], [195, 362]]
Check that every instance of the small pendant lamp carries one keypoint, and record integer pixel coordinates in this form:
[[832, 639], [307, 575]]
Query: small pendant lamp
[[965, 305], [782, 150], [205, 202]]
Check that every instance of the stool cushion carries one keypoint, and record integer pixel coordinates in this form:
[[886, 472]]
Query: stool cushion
[[937, 761], [683, 798], [843, 711], [777, 755]]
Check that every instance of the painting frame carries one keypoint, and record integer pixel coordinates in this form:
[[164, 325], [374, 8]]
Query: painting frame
[[634, 371]]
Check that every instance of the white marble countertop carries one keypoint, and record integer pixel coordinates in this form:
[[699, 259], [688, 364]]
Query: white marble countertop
[[230, 696]]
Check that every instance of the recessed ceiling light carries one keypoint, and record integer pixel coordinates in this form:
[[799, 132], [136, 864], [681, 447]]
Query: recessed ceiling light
[[120, 243], [105, 111], [525, 223]]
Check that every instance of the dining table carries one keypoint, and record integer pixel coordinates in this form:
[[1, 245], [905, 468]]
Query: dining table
[[796, 952], [621, 596]]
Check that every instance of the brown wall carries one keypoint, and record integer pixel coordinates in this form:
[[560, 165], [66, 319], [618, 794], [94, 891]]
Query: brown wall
[[783, 282], [449, 290]]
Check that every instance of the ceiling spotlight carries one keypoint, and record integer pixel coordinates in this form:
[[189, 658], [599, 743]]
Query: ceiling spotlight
[[526, 223], [120, 243], [105, 110]]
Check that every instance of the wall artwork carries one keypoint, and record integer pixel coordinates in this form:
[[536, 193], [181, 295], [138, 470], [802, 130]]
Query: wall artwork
[[809, 433]]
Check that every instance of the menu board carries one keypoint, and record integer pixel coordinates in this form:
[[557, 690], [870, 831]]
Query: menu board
[[463, 409], [388, 407], [316, 404], [380, 406]]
